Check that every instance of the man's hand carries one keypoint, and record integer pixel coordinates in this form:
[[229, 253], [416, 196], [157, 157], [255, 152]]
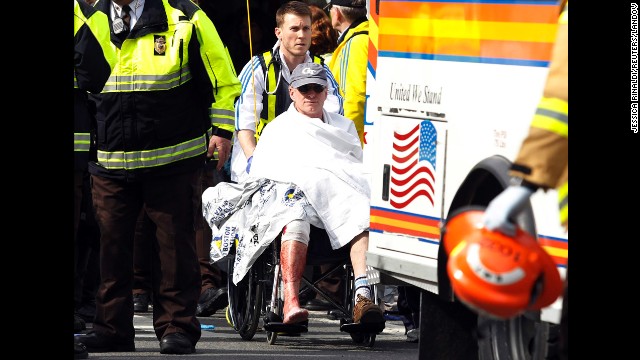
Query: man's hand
[[503, 208], [224, 149]]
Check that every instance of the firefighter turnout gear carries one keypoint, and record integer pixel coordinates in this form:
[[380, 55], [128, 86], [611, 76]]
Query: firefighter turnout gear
[[543, 156]]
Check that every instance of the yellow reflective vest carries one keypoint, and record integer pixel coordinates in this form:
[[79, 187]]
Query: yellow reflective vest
[[275, 100], [349, 66], [172, 87]]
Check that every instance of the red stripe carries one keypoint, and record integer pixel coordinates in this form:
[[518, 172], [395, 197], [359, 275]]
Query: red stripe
[[404, 217], [400, 230]]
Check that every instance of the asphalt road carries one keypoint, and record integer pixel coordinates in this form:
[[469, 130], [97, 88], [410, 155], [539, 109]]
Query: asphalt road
[[323, 341]]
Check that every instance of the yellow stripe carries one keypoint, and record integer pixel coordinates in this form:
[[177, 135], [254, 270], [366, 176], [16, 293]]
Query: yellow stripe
[[563, 193], [564, 214], [550, 124], [563, 190], [554, 104], [557, 126], [553, 251], [373, 33], [462, 29], [405, 225]]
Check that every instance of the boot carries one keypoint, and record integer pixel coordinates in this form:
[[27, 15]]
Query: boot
[[293, 258]]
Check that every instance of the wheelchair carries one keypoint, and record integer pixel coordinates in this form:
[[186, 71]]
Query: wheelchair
[[258, 296]]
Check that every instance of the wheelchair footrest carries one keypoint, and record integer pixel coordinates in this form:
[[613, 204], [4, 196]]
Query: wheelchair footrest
[[283, 328], [364, 328]]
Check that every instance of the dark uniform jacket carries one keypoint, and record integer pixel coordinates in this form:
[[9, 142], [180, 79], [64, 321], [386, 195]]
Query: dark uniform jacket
[[173, 86], [93, 59]]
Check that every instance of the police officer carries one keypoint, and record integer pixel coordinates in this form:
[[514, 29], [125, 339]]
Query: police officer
[[167, 106]]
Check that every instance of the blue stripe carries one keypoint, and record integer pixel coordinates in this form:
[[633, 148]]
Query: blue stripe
[[245, 80], [371, 70], [336, 91], [553, 238], [470, 59]]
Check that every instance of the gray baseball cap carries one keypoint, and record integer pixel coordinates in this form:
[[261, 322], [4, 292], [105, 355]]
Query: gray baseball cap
[[308, 73]]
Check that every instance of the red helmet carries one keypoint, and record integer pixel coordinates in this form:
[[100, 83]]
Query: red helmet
[[494, 274]]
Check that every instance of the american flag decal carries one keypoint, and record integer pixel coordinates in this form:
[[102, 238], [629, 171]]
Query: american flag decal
[[413, 165]]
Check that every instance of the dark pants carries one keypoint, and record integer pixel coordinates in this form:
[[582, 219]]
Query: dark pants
[[143, 250], [409, 305], [168, 201], [86, 244], [211, 276]]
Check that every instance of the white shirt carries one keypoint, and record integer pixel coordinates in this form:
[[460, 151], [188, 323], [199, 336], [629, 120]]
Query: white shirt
[[136, 7]]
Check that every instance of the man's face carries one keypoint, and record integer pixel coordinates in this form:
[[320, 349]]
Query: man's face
[[295, 35], [307, 100]]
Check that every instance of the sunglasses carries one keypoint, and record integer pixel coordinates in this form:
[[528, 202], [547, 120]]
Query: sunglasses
[[317, 88]]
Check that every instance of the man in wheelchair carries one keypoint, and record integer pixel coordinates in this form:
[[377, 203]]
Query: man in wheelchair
[[306, 170]]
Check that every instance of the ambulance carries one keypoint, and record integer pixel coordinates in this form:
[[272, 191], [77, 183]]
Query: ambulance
[[451, 90]]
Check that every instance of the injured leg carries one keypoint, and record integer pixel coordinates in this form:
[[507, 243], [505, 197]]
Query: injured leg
[[293, 258]]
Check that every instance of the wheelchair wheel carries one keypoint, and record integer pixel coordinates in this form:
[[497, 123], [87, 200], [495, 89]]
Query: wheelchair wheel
[[271, 258], [245, 301], [271, 337]]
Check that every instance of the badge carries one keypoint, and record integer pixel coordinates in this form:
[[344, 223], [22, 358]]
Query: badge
[[160, 45]]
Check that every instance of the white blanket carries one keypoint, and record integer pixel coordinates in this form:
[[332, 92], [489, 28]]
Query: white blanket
[[317, 174]]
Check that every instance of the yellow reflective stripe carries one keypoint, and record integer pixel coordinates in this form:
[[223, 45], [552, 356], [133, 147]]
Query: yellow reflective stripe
[[81, 141], [149, 158], [147, 82], [222, 117], [259, 127], [563, 202], [273, 82], [552, 115]]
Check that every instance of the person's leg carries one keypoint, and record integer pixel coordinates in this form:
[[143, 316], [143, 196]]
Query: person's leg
[[404, 309], [142, 255], [88, 236], [78, 272], [169, 203], [117, 205], [213, 281], [364, 311], [293, 259], [359, 246]]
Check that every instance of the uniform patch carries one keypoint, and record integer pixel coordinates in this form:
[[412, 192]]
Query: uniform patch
[[159, 45]]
